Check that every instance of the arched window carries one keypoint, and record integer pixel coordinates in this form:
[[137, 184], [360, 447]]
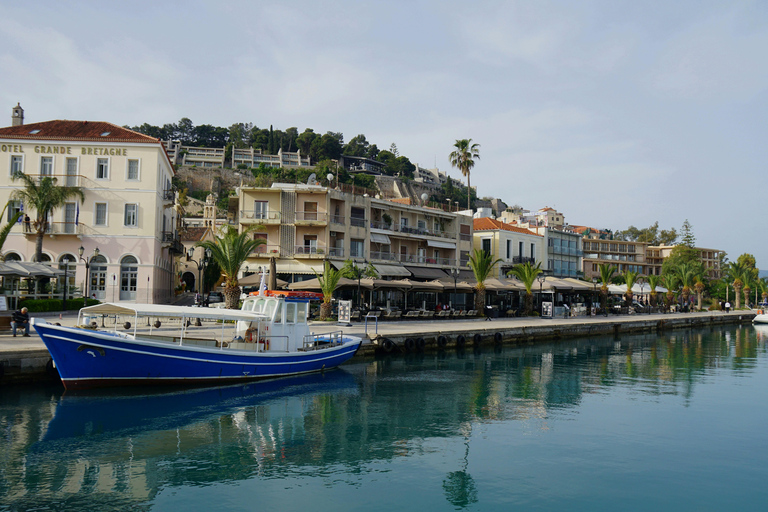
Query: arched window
[[12, 256], [129, 276], [98, 277]]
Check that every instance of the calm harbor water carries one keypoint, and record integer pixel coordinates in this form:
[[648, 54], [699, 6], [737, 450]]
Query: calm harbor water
[[646, 422]]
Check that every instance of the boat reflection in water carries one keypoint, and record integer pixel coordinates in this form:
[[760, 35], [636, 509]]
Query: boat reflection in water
[[118, 448]]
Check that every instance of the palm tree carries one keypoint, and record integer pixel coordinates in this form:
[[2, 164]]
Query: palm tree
[[481, 263], [350, 270], [653, 282], [463, 158], [737, 272], [606, 274], [699, 287], [630, 278], [685, 274], [8, 227], [670, 281], [527, 273], [328, 282], [230, 251], [749, 283], [43, 195]]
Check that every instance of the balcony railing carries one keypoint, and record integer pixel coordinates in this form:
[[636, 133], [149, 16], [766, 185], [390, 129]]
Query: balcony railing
[[266, 250], [384, 256], [358, 222], [260, 216], [337, 219], [67, 180], [311, 217], [337, 252], [169, 195], [565, 251], [523, 260], [397, 228], [310, 250], [53, 228]]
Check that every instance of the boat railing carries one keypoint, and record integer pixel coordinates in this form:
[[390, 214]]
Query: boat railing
[[264, 344], [321, 341]]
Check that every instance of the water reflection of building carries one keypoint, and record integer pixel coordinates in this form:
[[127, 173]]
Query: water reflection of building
[[124, 450]]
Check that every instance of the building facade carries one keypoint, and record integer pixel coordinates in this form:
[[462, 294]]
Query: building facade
[[304, 225], [127, 213], [512, 244], [711, 259], [251, 157]]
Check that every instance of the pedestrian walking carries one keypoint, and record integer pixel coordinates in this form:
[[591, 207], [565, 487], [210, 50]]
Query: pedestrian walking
[[727, 307], [27, 227]]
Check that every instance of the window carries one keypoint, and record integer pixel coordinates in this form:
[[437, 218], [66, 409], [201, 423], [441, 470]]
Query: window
[[13, 208], [290, 312], [509, 249], [520, 249], [262, 248], [102, 168], [486, 245], [131, 218], [17, 164], [357, 217], [133, 170], [71, 171], [533, 251], [129, 272], [357, 248], [100, 214], [46, 166], [70, 218], [310, 211], [260, 209]]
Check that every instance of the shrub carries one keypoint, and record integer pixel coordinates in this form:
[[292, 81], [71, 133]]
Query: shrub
[[48, 305]]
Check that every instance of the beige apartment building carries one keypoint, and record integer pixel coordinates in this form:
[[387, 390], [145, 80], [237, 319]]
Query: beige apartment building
[[625, 256], [304, 225], [127, 214], [710, 259]]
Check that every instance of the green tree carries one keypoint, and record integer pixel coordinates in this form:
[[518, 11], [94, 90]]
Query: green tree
[[686, 235], [737, 273], [43, 195], [230, 251], [699, 287], [606, 274], [328, 282], [653, 282], [8, 227], [527, 274], [351, 270], [463, 158], [685, 275], [482, 264], [630, 278]]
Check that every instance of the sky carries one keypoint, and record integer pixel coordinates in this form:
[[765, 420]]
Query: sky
[[616, 113]]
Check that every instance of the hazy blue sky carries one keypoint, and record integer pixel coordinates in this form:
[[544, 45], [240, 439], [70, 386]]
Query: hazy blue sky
[[613, 112]]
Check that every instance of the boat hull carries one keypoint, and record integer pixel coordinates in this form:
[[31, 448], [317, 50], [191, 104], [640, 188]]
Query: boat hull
[[89, 359]]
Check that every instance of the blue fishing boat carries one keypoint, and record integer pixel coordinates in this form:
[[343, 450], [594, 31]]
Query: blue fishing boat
[[152, 344]]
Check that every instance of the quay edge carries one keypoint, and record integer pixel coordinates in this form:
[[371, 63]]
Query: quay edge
[[532, 334], [34, 365]]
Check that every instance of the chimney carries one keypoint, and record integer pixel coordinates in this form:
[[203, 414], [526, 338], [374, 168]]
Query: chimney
[[17, 115]]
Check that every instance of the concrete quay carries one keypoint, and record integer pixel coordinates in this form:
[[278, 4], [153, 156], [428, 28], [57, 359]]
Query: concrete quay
[[24, 360]]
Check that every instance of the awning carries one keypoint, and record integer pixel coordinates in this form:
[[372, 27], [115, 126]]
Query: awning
[[314, 284], [441, 245], [426, 273], [295, 267], [391, 270], [380, 239], [28, 269]]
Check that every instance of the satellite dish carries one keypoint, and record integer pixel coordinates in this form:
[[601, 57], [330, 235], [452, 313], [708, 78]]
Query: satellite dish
[[312, 180], [329, 177], [424, 196]]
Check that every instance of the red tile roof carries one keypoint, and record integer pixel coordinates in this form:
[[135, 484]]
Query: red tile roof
[[194, 234], [75, 131], [487, 224]]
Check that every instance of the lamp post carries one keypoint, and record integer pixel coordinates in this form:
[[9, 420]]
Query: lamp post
[[642, 288], [455, 276], [594, 285], [66, 264], [87, 262], [541, 278], [200, 267]]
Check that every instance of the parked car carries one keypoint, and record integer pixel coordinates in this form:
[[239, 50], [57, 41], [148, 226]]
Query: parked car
[[214, 297]]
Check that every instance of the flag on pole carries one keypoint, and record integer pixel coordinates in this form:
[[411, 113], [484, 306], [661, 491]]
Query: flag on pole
[[77, 214], [262, 284]]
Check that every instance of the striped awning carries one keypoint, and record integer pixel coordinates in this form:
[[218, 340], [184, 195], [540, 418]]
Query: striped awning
[[295, 267], [426, 272], [380, 239]]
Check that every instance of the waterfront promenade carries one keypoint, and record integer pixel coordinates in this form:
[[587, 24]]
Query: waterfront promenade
[[24, 359]]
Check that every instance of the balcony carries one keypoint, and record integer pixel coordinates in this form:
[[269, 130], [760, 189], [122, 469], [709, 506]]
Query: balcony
[[337, 219], [171, 240], [384, 256], [522, 260], [169, 195], [53, 229], [67, 180], [336, 252], [309, 251], [259, 217], [266, 251], [358, 222], [311, 218], [564, 251]]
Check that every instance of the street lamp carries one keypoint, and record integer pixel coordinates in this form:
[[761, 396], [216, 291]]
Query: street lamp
[[87, 262], [594, 285], [642, 288], [200, 266], [541, 278], [455, 276]]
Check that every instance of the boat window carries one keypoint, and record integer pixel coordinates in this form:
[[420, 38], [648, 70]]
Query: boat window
[[290, 313], [301, 312], [278, 313], [270, 308], [248, 305]]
